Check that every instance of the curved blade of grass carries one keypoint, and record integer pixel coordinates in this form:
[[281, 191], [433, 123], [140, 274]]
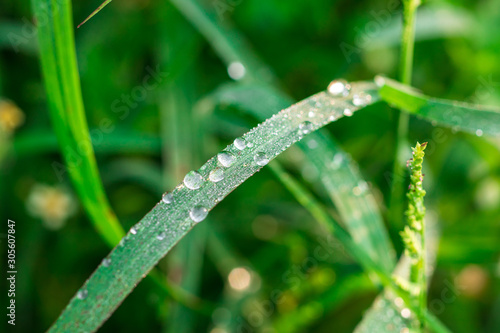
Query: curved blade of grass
[[166, 224], [336, 172], [261, 102], [473, 118], [60, 73]]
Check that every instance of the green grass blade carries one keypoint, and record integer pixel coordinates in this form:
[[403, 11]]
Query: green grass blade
[[98, 9], [60, 73], [166, 224], [44, 142], [228, 43], [336, 172], [57, 52], [472, 118]]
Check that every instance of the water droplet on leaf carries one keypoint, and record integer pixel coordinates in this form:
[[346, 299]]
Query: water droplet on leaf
[[198, 213], [240, 143], [216, 175], [361, 99], [261, 159], [339, 88], [193, 180], [306, 127], [226, 159], [168, 198], [82, 294], [347, 112], [106, 262]]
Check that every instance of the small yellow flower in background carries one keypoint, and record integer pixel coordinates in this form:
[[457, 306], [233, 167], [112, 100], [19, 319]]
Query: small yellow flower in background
[[11, 117], [53, 205]]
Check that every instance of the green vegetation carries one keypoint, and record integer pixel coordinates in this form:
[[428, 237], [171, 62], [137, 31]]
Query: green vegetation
[[315, 241]]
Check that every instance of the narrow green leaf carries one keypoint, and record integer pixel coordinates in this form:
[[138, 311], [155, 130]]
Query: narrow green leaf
[[473, 118], [167, 223], [98, 9], [60, 73]]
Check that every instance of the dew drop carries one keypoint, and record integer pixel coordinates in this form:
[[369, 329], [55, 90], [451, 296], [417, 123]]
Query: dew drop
[[361, 99], [193, 180], [133, 230], [261, 159], [216, 175], [106, 262], [479, 132], [347, 112], [198, 213], [311, 114], [240, 143], [168, 198], [339, 88], [226, 159], [236, 70], [161, 235], [82, 293], [305, 127]]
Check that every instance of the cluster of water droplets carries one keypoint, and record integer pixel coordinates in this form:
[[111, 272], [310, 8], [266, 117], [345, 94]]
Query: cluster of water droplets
[[250, 153]]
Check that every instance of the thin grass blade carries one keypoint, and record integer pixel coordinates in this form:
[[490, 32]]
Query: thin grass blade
[[60, 73], [472, 118]]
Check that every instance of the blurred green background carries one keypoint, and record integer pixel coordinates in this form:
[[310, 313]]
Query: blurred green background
[[148, 138]]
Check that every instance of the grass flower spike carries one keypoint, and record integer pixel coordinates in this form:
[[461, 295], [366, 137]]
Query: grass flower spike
[[413, 234]]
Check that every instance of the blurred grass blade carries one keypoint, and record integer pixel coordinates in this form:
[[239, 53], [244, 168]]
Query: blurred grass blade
[[228, 43], [166, 224], [68, 118], [62, 83], [337, 172], [304, 315], [45, 142], [473, 118], [98, 9]]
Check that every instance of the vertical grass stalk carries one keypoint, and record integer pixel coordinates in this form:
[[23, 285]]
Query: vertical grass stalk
[[405, 75], [61, 78]]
